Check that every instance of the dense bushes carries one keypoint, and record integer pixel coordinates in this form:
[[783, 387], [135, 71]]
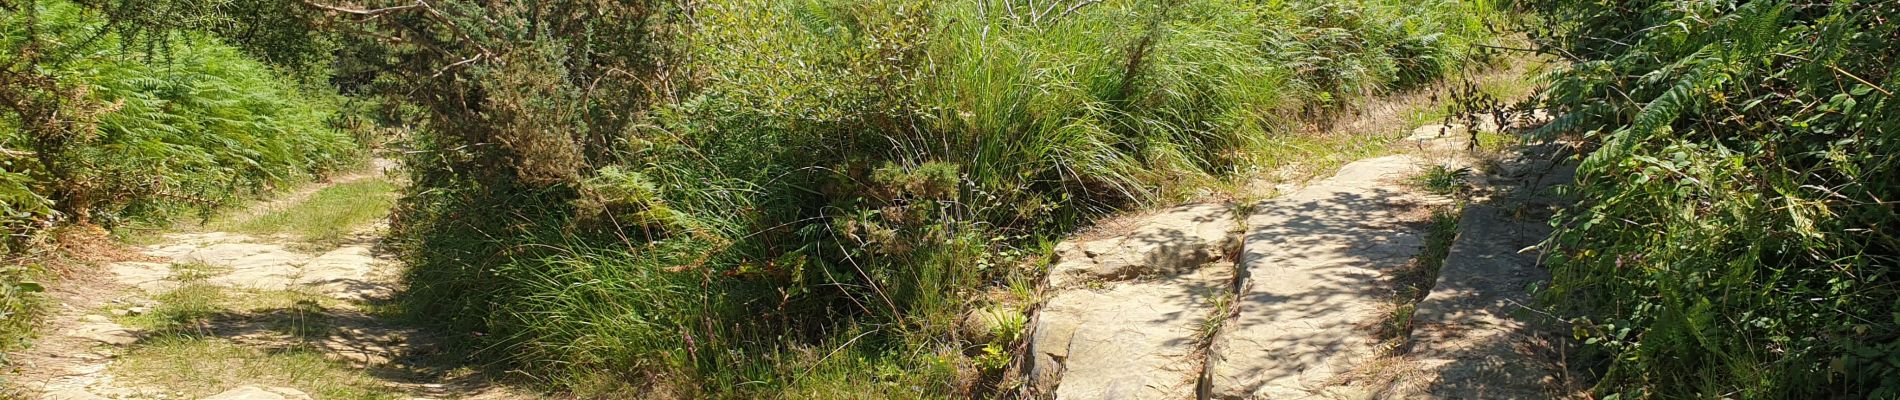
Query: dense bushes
[[112, 124], [1737, 236], [755, 197], [139, 133]]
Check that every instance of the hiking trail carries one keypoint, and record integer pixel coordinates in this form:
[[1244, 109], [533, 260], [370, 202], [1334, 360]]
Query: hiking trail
[[1286, 297], [223, 315]]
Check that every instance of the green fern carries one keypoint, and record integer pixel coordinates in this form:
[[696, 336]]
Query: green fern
[[1724, 241]]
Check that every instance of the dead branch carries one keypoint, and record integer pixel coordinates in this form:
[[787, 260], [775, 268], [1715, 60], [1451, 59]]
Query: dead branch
[[355, 11]]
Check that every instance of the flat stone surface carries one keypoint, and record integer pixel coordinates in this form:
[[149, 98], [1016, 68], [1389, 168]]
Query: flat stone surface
[[251, 263], [260, 393], [102, 330], [1472, 332], [1131, 340], [262, 278], [346, 273], [1169, 242], [1126, 303], [147, 276], [1314, 263], [71, 394]]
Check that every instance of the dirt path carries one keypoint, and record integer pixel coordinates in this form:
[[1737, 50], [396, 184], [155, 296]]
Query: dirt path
[[234, 316]]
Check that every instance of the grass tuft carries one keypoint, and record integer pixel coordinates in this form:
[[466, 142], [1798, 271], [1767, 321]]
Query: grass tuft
[[1442, 180], [1416, 280]]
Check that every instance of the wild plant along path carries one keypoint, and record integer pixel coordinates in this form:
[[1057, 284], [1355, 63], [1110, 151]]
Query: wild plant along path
[[1283, 298], [239, 316]]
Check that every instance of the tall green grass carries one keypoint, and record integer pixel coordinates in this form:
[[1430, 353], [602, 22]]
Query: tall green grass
[[1735, 237], [800, 199]]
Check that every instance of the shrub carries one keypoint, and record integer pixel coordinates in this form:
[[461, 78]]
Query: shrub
[[1734, 237], [186, 126]]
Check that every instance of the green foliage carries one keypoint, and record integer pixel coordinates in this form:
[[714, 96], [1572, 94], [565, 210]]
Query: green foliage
[[756, 198], [21, 209], [110, 113], [1736, 233], [186, 126], [19, 306], [1442, 180]]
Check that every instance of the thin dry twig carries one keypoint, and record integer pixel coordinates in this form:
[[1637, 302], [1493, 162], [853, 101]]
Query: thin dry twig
[[363, 12], [1072, 9], [1862, 81]]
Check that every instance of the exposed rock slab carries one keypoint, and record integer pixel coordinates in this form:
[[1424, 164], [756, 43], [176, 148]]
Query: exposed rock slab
[[252, 263], [71, 394], [1132, 340], [1472, 333], [1170, 242], [1124, 318], [147, 276], [346, 273], [98, 328], [260, 393], [1314, 263]]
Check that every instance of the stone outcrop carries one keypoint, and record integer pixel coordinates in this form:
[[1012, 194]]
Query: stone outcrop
[[1283, 300], [1125, 318], [1474, 334], [246, 262], [251, 392], [1158, 312], [1314, 265]]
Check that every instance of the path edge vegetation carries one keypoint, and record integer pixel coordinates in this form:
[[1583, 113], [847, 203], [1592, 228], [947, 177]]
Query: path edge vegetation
[[1734, 236]]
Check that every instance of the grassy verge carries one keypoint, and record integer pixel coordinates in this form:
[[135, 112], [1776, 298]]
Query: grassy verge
[[21, 304], [326, 216], [1735, 229]]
